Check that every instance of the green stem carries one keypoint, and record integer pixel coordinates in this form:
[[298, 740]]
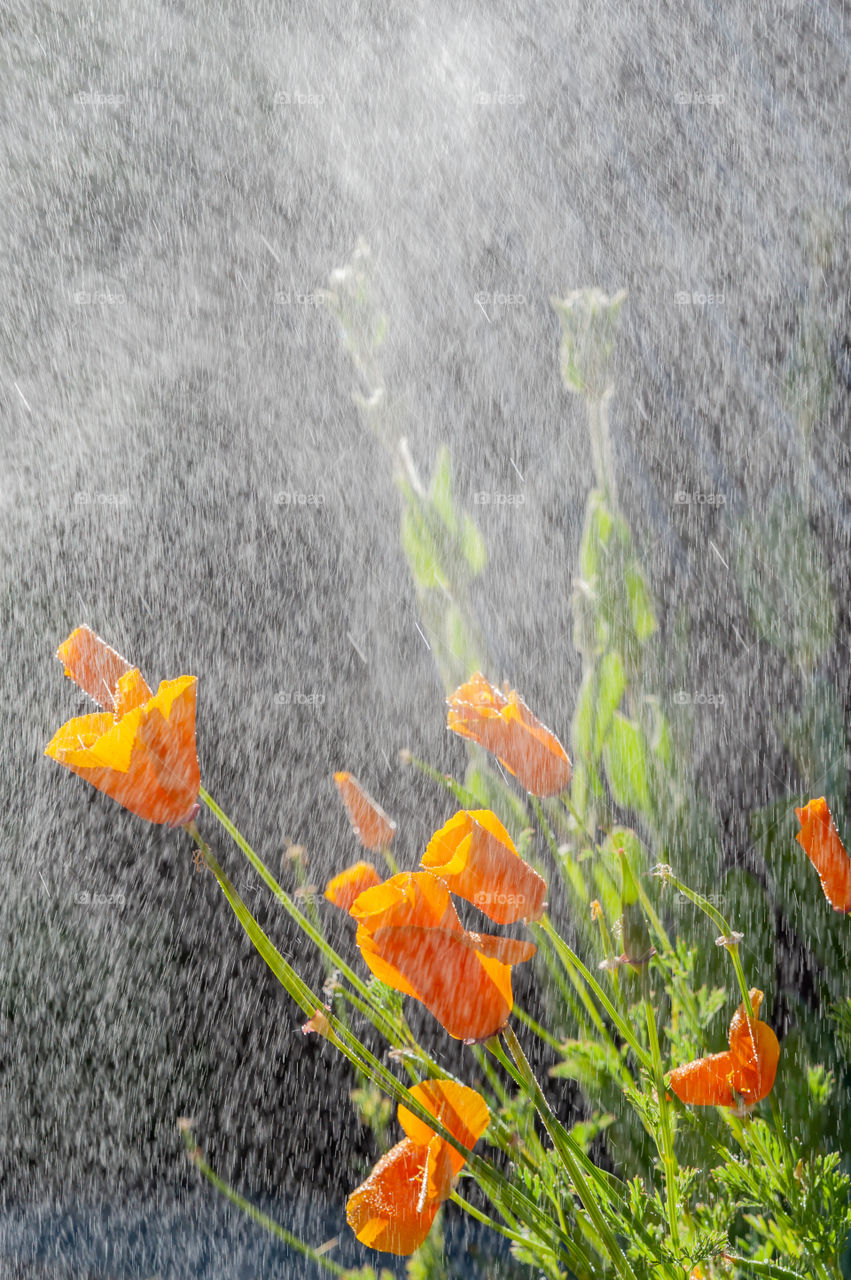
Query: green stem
[[763, 1268], [465, 798], [483, 1217], [546, 829], [563, 1144], [571, 960], [256, 1214], [667, 1139], [717, 919], [392, 1032], [535, 1027]]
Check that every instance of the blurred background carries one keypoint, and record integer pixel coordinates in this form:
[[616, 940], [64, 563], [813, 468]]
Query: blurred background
[[184, 468]]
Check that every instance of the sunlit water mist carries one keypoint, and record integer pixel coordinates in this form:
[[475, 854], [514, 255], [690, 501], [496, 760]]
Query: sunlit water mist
[[184, 469]]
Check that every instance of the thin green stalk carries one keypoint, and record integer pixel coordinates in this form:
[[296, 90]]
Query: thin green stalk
[[535, 1027], [465, 798], [770, 1269], [717, 919], [496, 1185], [483, 1218], [667, 1137], [378, 1017], [546, 829], [571, 960], [274, 1228], [590, 1018], [563, 1143]]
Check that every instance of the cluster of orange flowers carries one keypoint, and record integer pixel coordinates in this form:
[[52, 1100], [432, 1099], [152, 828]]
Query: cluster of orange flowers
[[140, 750], [409, 932]]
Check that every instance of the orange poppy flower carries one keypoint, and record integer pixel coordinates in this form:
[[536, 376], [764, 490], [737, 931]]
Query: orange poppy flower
[[504, 725], [743, 1074], [347, 886], [396, 1206], [475, 857], [141, 749], [411, 938], [820, 841], [369, 821]]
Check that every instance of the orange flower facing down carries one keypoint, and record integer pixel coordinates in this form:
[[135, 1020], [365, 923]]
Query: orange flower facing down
[[349, 884], [369, 821], [743, 1074], [140, 751], [396, 1206], [504, 725], [411, 938], [475, 857], [820, 841]]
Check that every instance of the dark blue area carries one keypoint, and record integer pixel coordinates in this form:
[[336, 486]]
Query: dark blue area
[[209, 1239]]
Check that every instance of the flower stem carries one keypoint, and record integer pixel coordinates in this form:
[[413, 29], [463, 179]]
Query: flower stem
[[667, 1137], [251, 1210], [392, 1032], [563, 1144], [717, 919], [571, 961]]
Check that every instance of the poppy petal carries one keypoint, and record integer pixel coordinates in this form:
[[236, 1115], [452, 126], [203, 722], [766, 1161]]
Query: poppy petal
[[820, 841], [391, 1210], [370, 823], [506, 727], [146, 761], [706, 1082], [93, 665], [475, 857], [459, 1108], [351, 883]]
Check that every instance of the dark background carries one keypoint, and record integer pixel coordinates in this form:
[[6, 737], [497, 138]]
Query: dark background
[[157, 393]]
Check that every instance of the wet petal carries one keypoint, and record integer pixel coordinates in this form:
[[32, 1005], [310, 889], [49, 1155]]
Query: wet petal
[[370, 823], [392, 1211], [820, 841], [475, 858], [93, 665], [351, 883], [505, 726]]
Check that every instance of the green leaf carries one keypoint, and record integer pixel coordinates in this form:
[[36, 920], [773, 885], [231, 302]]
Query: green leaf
[[641, 609], [420, 550], [626, 766], [582, 730], [473, 545], [610, 690], [440, 491]]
